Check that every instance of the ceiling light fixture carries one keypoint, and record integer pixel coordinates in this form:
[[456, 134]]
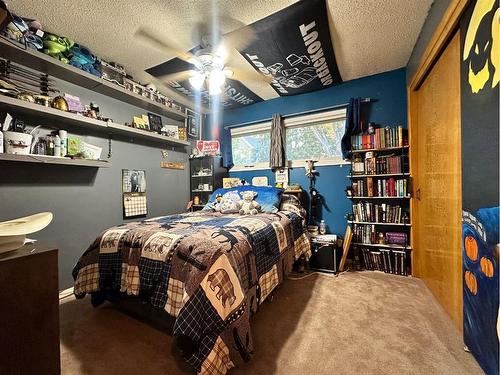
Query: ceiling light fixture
[[216, 81], [197, 80]]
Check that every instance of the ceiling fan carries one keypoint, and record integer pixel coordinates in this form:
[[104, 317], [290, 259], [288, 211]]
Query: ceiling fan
[[209, 62]]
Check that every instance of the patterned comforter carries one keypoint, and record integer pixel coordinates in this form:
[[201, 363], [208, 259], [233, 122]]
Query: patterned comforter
[[210, 271]]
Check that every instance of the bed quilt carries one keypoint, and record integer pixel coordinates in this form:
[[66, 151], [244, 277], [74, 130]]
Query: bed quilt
[[210, 271]]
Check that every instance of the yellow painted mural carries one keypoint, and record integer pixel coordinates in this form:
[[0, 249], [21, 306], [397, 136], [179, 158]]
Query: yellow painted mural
[[483, 53]]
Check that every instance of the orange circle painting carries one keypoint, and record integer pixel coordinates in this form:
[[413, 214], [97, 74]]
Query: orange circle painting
[[471, 282], [470, 245]]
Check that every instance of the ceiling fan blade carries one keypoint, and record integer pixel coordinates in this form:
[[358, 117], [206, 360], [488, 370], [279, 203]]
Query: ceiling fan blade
[[201, 34], [164, 45], [240, 38], [177, 76], [248, 75]]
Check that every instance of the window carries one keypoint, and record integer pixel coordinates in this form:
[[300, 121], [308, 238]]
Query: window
[[250, 145], [251, 149], [316, 136]]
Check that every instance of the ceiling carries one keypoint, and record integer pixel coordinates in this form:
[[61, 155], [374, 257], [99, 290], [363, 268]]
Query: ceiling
[[369, 36]]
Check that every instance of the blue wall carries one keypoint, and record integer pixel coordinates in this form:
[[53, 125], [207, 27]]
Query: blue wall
[[389, 109]]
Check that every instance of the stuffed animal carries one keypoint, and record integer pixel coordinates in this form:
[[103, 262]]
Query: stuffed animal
[[248, 205], [216, 203]]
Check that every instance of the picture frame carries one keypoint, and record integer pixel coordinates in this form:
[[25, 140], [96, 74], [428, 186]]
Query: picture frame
[[193, 124], [170, 131], [155, 123], [134, 193]]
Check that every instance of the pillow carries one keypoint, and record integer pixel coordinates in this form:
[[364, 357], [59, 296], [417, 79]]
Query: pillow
[[229, 206], [267, 196]]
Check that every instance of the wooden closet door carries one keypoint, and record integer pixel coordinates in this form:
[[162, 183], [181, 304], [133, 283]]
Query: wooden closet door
[[437, 189]]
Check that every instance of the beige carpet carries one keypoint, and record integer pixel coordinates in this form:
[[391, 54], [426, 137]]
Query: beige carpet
[[357, 323]]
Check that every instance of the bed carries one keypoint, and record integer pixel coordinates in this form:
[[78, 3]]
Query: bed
[[208, 270]]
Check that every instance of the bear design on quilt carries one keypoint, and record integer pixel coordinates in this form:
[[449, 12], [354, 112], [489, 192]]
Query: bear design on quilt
[[230, 237], [220, 279], [111, 239]]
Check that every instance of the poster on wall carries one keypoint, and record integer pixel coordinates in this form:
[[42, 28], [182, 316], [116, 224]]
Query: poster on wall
[[134, 193], [235, 93], [480, 76], [294, 47]]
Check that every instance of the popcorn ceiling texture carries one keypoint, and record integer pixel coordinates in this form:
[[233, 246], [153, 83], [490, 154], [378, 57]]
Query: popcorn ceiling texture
[[369, 36]]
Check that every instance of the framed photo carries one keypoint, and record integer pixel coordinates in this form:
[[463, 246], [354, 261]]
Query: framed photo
[[260, 181], [193, 124], [170, 131], [155, 123], [134, 193], [281, 177], [229, 182]]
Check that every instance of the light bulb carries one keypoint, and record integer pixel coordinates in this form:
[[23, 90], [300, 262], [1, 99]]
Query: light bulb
[[197, 80], [216, 81]]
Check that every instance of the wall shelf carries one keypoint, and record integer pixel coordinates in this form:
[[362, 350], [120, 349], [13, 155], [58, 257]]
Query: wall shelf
[[49, 65], [45, 159], [133, 132], [60, 119]]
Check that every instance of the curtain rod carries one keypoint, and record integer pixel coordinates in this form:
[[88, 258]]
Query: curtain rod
[[364, 100]]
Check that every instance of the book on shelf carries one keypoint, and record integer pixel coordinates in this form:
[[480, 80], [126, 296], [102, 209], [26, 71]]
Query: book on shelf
[[382, 138], [367, 234], [378, 213], [386, 260], [387, 164], [389, 187]]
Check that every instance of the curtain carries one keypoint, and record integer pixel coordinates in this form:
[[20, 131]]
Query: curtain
[[352, 125], [277, 149], [226, 148]]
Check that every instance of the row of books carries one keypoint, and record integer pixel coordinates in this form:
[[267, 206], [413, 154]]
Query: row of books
[[381, 138], [386, 164], [386, 260], [381, 187], [367, 234], [378, 213]]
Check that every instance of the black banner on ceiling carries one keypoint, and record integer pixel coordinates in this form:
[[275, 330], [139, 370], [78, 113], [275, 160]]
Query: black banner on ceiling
[[235, 93], [294, 47]]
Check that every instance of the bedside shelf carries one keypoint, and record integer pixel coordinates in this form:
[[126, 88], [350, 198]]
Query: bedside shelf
[[45, 159], [200, 176], [202, 191], [49, 65], [382, 224], [397, 247], [59, 119]]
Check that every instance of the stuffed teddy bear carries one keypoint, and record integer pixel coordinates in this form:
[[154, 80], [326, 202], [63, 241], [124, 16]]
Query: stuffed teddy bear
[[247, 204]]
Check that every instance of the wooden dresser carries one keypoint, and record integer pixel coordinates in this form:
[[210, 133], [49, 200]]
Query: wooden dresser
[[29, 312]]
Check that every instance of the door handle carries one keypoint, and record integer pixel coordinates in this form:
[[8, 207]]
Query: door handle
[[417, 194]]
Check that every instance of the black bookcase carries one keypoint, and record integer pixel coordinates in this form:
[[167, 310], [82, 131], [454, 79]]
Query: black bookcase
[[381, 194], [206, 174]]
